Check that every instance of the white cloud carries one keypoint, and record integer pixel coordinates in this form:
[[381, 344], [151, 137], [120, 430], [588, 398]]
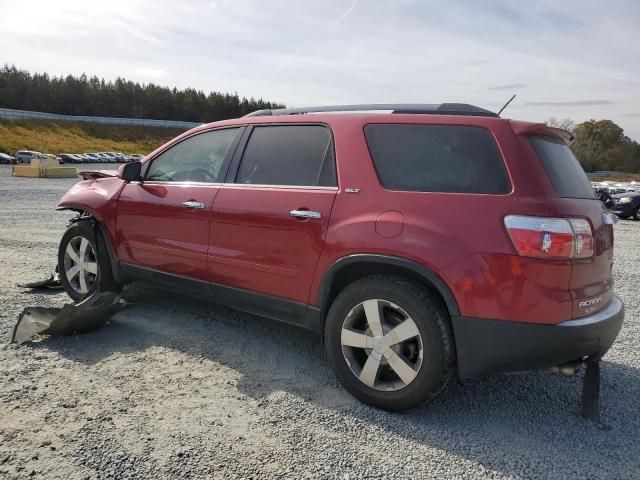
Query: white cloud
[[349, 10], [150, 72], [577, 59]]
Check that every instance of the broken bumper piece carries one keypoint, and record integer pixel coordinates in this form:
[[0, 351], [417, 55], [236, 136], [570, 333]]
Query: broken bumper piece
[[88, 315]]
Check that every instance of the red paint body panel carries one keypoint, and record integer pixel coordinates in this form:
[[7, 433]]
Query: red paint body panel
[[154, 229], [256, 245], [245, 237], [460, 237]]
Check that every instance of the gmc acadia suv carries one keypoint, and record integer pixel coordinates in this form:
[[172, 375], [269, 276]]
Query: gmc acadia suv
[[421, 243]]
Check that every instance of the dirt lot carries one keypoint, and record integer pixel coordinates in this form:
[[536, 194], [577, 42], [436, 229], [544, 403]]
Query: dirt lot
[[178, 388]]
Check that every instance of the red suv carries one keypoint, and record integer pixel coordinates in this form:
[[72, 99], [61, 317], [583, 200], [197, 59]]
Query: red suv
[[420, 241]]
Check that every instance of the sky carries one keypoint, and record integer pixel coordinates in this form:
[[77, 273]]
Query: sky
[[576, 59]]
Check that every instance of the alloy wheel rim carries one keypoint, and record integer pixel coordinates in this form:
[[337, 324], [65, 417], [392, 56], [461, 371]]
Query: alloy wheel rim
[[382, 345], [80, 264]]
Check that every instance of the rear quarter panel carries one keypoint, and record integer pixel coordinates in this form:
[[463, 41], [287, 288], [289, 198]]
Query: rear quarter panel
[[460, 237]]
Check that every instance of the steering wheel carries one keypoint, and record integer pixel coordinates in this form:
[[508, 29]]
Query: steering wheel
[[202, 175]]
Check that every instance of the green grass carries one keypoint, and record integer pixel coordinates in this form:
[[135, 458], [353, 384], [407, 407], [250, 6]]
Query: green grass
[[80, 137]]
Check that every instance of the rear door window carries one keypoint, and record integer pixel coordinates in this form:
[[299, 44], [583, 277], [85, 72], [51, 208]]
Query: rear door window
[[437, 158], [564, 170], [288, 155]]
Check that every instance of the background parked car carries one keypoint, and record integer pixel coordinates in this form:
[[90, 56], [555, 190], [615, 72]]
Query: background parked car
[[4, 158], [627, 205], [119, 156], [106, 157], [93, 158], [69, 158], [604, 196], [25, 156]]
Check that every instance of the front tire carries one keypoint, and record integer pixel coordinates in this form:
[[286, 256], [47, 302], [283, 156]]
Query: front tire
[[389, 342], [636, 213], [84, 267]]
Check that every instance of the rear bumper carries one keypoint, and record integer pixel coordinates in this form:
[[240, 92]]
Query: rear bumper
[[489, 346]]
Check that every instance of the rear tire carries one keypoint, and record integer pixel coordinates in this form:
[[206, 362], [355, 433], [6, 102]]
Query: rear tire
[[84, 267], [395, 359]]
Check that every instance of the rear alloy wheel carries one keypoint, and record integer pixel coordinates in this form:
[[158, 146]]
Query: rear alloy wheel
[[382, 345], [389, 342]]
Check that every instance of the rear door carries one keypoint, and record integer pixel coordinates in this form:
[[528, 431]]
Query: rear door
[[162, 222], [591, 279], [270, 219]]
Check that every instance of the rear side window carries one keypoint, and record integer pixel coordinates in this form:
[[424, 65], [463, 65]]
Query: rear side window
[[288, 155], [437, 158], [564, 170]]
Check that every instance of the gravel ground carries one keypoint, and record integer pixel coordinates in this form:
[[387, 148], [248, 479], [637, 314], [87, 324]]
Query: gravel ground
[[177, 388]]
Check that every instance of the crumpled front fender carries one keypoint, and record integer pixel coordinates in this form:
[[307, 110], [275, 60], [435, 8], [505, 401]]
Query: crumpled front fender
[[97, 197]]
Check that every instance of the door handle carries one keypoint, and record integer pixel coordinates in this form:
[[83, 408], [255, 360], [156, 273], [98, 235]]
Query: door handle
[[304, 214], [192, 204]]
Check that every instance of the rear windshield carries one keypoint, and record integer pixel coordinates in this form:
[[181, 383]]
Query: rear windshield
[[437, 158], [564, 170]]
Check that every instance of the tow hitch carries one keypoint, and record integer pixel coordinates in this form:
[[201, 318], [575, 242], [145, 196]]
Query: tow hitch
[[88, 315]]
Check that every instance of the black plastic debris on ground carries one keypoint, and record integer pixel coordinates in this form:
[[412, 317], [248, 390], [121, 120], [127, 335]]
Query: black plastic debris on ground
[[51, 283], [88, 315], [591, 393]]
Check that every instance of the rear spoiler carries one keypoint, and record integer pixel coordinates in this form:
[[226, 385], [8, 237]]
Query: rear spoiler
[[529, 128]]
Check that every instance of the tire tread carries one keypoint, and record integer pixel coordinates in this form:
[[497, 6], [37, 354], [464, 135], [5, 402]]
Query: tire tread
[[438, 313]]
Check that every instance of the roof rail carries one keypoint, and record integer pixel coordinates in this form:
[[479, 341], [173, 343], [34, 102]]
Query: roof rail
[[416, 108]]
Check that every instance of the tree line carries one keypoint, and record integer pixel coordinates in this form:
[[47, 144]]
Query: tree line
[[83, 95], [601, 145]]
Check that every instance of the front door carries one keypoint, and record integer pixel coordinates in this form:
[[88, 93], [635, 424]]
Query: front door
[[162, 222], [270, 219]]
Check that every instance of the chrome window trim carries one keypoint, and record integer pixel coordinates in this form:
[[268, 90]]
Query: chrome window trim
[[283, 187], [238, 185], [183, 183]]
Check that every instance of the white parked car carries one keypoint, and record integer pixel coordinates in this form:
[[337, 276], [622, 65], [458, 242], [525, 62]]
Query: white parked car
[[25, 156]]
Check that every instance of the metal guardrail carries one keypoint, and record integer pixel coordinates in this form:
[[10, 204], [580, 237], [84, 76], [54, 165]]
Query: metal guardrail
[[11, 114]]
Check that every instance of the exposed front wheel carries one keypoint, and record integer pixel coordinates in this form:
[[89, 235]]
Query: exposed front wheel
[[389, 342], [636, 213], [83, 262]]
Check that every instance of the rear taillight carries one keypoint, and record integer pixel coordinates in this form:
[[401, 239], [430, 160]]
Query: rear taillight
[[551, 238], [583, 246]]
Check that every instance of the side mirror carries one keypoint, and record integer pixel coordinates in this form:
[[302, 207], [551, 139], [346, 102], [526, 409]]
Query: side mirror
[[130, 172]]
